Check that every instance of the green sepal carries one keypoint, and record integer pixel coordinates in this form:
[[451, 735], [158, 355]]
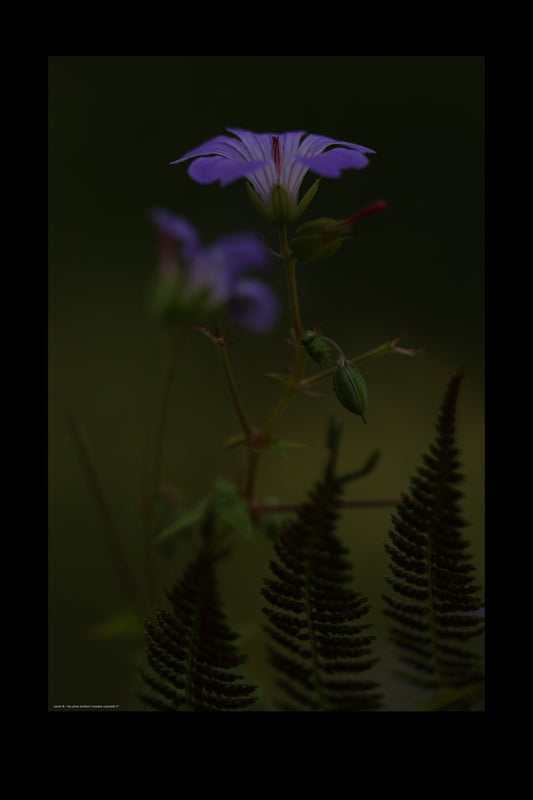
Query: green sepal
[[281, 205], [319, 225], [306, 199], [258, 203], [313, 248], [317, 239], [316, 348]]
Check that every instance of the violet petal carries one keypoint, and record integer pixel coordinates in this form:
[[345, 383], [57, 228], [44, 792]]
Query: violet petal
[[254, 305]]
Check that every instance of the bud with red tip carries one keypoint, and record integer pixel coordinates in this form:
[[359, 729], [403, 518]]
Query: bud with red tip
[[320, 238]]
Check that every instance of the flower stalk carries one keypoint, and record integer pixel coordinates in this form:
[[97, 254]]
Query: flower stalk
[[109, 524], [155, 448], [237, 402], [390, 346], [290, 265]]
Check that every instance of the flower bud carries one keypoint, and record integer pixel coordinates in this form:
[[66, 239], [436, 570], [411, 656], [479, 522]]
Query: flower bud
[[315, 347], [317, 240], [350, 388], [320, 238]]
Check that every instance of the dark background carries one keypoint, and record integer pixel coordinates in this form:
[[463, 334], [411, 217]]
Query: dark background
[[115, 123]]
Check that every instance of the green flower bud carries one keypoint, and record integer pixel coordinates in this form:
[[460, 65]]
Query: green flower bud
[[316, 347], [350, 388], [320, 225], [317, 239]]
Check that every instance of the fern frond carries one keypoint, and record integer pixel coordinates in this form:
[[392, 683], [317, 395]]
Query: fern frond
[[192, 650], [319, 646], [434, 603]]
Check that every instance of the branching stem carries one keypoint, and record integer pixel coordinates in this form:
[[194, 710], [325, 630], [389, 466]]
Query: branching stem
[[376, 352], [237, 402]]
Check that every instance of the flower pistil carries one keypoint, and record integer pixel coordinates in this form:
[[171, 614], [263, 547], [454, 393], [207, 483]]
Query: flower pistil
[[276, 155]]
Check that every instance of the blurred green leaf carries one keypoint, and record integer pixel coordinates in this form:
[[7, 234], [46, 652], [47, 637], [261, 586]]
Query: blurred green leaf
[[233, 441], [279, 376], [123, 624], [279, 446], [232, 508], [190, 517]]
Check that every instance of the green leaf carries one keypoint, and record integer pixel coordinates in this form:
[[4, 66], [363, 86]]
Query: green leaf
[[233, 441], [279, 446], [232, 508], [190, 517], [279, 376]]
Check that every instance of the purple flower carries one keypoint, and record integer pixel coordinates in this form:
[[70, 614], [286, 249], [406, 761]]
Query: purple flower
[[197, 278], [273, 160]]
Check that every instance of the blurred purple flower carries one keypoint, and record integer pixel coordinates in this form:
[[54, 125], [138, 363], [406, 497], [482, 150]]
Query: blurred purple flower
[[196, 276], [267, 160]]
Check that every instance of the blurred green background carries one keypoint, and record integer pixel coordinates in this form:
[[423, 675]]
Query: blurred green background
[[115, 123]]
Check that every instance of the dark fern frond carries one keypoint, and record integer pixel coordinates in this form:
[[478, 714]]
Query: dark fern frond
[[192, 650], [434, 604], [319, 646]]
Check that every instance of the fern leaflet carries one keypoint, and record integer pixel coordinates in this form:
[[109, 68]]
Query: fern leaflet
[[320, 645], [192, 650], [434, 606]]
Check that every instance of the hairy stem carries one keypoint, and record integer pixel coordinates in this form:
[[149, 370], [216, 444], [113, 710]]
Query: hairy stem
[[160, 411], [290, 266], [155, 447], [247, 428], [293, 385]]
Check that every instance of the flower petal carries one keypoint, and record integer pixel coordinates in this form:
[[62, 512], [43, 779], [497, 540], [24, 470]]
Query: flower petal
[[257, 146], [331, 163], [219, 168], [313, 144], [260, 144], [222, 145], [178, 228], [254, 305], [240, 251]]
